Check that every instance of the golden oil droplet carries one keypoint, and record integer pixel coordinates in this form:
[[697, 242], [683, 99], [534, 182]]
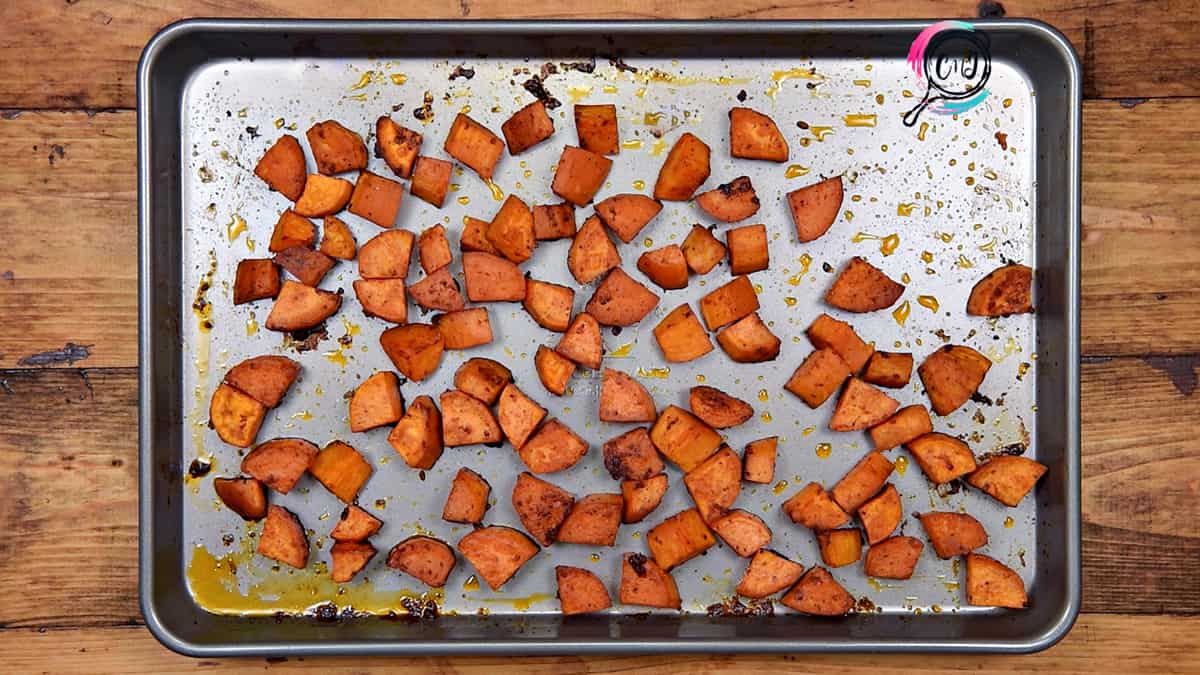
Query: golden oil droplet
[[249, 244], [464, 200], [922, 130], [884, 147], [455, 187], [766, 417], [251, 324], [804, 142], [795, 171], [1008, 522], [1006, 102], [758, 288], [622, 351], [337, 357], [608, 89], [763, 395], [904, 209], [970, 180], [805, 260], [527, 173], [651, 119], [357, 97], [821, 132], [235, 227], [595, 557], [859, 120], [808, 431], [465, 109], [928, 302], [990, 174], [398, 78], [658, 373], [860, 237], [901, 465], [900, 314], [632, 144], [937, 609], [824, 450], [848, 215], [1022, 369], [279, 122], [989, 247], [789, 301], [878, 100], [862, 83], [926, 257], [963, 262], [700, 378], [780, 487], [889, 244], [640, 92], [906, 93], [577, 94], [657, 147], [875, 584], [946, 237], [497, 193], [905, 278], [471, 584], [639, 185]]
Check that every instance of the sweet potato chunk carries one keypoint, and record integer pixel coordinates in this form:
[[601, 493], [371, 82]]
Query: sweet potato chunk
[[553, 369], [758, 460], [592, 253], [265, 378], [1007, 478], [681, 337], [953, 534], [683, 439], [646, 584], [283, 539], [813, 508], [431, 180], [951, 375], [893, 558], [665, 266], [482, 378], [715, 484], [416, 349], [323, 196], [511, 230], [341, 469], [553, 448], [349, 558], [880, 515], [753, 135], [355, 525], [376, 402], [235, 416], [527, 127], [553, 221], [256, 278], [624, 399], [376, 199], [386, 255], [383, 298], [642, 496], [818, 377], [701, 250], [840, 547], [549, 305], [749, 340], [907, 424], [729, 303], [433, 249], [468, 498], [991, 583], [626, 214], [597, 128], [718, 409], [279, 463], [862, 482], [474, 145], [518, 415], [465, 328], [335, 148], [767, 574], [497, 553], [579, 175], [244, 496], [397, 146], [942, 458], [292, 229], [747, 249], [862, 287], [474, 236], [889, 369], [742, 531], [679, 538], [730, 202], [827, 332], [337, 241], [582, 342], [861, 406], [815, 207], [620, 300], [438, 290], [426, 559], [541, 506], [1003, 292], [491, 278], [282, 167], [818, 593], [417, 437], [580, 591], [466, 420], [685, 169], [593, 520]]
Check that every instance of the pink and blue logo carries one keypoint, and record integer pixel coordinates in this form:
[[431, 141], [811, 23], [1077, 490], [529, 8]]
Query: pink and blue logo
[[953, 60]]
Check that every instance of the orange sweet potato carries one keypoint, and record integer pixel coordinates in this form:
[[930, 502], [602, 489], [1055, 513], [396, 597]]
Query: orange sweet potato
[[474, 145], [942, 458], [642, 496], [715, 483], [631, 456], [665, 266], [431, 180], [335, 148], [383, 298], [813, 508], [465, 328], [681, 337], [580, 591], [592, 253], [861, 406], [645, 584], [376, 198], [438, 290], [474, 236], [244, 496], [815, 207], [549, 305], [279, 463], [621, 300], [893, 558], [701, 250], [626, 214], [827, 332], [397, 146], [718, 409], [337, 241], [426, 559], [682, 438], [818, 593], [953, 534], [235, 416], [862, 287], [753, 135], [742, 531], [767, 574], [386, 255], [758, 460], [298, 307], [491, 278], [679, 538], [468, 498], [554, 370], [256, 278], [582, 342], [497, 553], [592, 520], [417, 437], [349, 558], [292, 229], [747, 249], [840, 547], [415, 349], [1004, 291], [518, 415], [553, 221], [283, 168], [579, 175], [1007, 478], [541, 506], [482, 378], [862, 481], [991, 583], [889, 369], [908, 423], [553, 448], [264, 378], [624, 399], [596, 126], [684, 171], [433, 249], [881, 514], [951, 375], [341, 469], [376, 402], [818, 377], [466, 420], [527, 127], [355, 524], [282, 538], [749, 340], [730, 202], [323, 196], [511, 230], [729, 303]]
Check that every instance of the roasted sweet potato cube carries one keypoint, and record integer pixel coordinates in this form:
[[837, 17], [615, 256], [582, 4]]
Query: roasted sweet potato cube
[[951, 375], [1007, 478], [729, 303], [474, 236], [553, 448], [349, 558], [893, 558], [813, 508], [862, 482], [292, 229], [431, 180], [468, 498], [323, 196], [942, 458], [482, 378], [679, 538], [597, 128], [465, 328], [953, 534], [426, 559], [417, 437], [682, 438], [376, 402], [582, 342], [491, 278], [283, 168], [889, 369], [626, 214], [474, 145], [818, 593], [433, 249], [235, 416], [642, 496], [279, 463], [376, 198], [396, 145], [579, 175], [621, 300], [244, 496], [730, 202], [684, 171], [681, 337], [840, 547], [341, 469], [415, 349], [466, 420], [645, 584], [715, 483], [355, 524], [624, 399], [767, 574], [880, 515], [256, 278], [497, 553], [818, 377], [386, 255], [298, 307], [718, 409], [1004, 291], [701, 250], [827, 332], [665, 266], [815, 207], [593, 520], [758, 460], [991, 583], [749, 340], [438, 290], [580, 591], [753, 135], [554, 370], [511, 230], [383, 298], [553, 221], [908, 423], [742, 531], [337, 241], [335, 148], [527, 127], [265, 378], [549, 305], [518, 415], [541, 506], [747, 249], [862, 287], [282, 538], [592, 253], [861, 406]]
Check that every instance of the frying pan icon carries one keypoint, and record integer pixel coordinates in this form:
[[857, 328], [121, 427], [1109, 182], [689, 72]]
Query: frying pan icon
[[956, 65]]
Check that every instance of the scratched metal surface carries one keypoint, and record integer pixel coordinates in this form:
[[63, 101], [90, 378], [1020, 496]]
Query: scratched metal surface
[[958, 202]]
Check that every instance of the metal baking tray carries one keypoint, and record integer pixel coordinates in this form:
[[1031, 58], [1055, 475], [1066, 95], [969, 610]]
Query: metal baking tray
[[963, 192]]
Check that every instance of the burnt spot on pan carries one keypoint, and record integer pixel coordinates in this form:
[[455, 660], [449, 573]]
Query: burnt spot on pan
[[734, 607], [305, 340], [461, 71]]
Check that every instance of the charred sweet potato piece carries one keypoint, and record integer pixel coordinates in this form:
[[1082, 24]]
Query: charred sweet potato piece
[[438, 290], [511, 230], [376, 402], [386, 255], [715, 483], [519, 415], [597, 128], [1007, 478], [626, 214], [335, 148], [244, 496], [624, 399], [718, 409], [593, 520], [265, 378], [742, 531], [991, 583], [433, 249], [468, 498], [862, 287], [397, 146], [279, 463], [631, 456], [682, 438], [861, 406], [483, 379], [541, 506], [355, 525], [953, 534], [818, 593], [684, 171], [465, 328], [431, 180], [323, 196], [415, 349], [582, 342], [642, 496], [620, 300], [292, 229], [818, 377], [767, 574], [580, 591], [579, 175], [592, 253], [889, 369], [645, 584], [815, 207], [665, 266], [554, 370], [376, 199], [256, 278], [813, 508], [909, 423], [747, 249], [383, 298], [337, 241], [753, 135], [862, 482], [679, 538], [474, 145], [942, 458], [341, 469], [681, 337], [235, 416], [426, 559], [527, 127], [729, 303], [881, 514], [417, 437], [474, 236], [827, 332], [730, 202], [701, 250], [549, 305], [283, 168], [497, 552], [553, 448], [282, 538], [349, 558], [466, 420], [951, 375], [840, 547], [491, 278], [1004, 291], [758, 460], [749, 340], [893, 558], [553, 221]]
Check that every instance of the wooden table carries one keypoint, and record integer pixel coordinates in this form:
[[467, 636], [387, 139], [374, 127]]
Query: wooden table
[[68, 352]]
